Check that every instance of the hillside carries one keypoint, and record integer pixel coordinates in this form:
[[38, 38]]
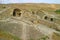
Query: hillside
[[29, 21]]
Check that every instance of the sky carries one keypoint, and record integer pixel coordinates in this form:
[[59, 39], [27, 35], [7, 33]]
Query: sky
[[30, 1]]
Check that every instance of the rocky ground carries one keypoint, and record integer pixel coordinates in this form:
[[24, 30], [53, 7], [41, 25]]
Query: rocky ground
[[33, 22]]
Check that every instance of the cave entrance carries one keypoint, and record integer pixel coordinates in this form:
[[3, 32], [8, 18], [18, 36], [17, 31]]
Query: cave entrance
[[51, 19], [16, 12], [45, 17]]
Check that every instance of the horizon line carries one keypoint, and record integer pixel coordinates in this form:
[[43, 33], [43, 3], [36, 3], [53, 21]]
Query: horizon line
[[30, 3]]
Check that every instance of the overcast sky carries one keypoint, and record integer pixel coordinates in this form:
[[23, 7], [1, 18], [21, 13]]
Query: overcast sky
[[30, 1]]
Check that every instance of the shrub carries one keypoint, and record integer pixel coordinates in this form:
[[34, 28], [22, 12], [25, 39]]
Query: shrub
[[58, 11]]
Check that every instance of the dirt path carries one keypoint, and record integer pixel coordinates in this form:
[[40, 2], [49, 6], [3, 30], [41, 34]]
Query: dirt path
[[24, 32]]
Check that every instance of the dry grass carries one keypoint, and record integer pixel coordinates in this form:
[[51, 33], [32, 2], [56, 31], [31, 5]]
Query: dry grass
[[7, 36], [56, 36]]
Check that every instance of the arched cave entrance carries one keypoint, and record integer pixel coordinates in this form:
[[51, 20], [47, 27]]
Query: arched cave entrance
[[45, 17], [51, 19], [16, 12]]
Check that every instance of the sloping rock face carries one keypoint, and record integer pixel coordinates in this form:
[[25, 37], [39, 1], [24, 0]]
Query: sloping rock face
[[21, 30]]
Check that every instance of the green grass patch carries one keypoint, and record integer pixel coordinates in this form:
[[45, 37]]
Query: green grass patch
[[57, 11]]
